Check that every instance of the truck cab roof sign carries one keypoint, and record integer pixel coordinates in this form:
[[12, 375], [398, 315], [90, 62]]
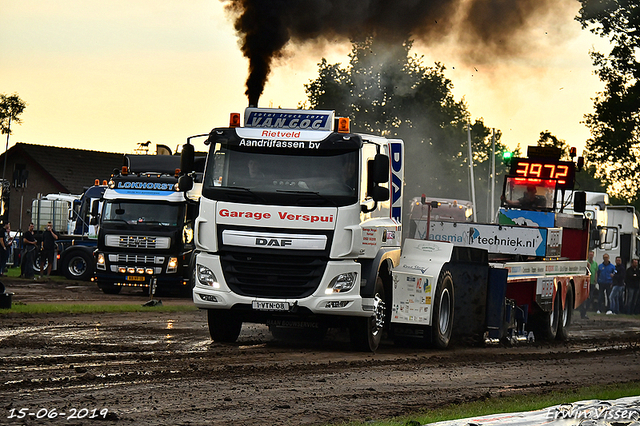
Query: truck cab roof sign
[[288, 119]]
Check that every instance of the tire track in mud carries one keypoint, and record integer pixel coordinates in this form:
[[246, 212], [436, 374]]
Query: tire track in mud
[[162, 369]]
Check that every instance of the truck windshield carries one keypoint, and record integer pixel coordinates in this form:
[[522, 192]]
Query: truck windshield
[[140, 213], [529, 194], [321, 179]]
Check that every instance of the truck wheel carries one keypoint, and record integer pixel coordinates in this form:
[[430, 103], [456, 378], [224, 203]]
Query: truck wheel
[[36, 265], [546, 323], [224, 327], [110, 289], [565, 315], [366, 332], [78, 266], [443, 303]]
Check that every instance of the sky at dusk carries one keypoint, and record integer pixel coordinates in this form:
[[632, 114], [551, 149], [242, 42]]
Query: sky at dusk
[[109, 75]]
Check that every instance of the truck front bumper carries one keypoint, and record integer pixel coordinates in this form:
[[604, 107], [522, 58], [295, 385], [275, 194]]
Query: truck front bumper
[[321, 302]]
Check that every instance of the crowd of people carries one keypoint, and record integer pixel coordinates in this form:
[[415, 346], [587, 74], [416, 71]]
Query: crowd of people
[[615, 287], [31, 249]]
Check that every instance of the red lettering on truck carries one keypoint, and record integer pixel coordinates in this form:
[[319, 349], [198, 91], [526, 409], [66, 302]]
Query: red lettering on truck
[[248, 215], [279, 134], [305, 217]]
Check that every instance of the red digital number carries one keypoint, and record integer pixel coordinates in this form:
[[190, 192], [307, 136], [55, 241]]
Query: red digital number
[[552, 170], [523, 169], [564, 172], [535, 170]]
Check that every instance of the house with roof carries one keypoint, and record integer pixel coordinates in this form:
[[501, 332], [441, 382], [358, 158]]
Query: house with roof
[[29, 170]]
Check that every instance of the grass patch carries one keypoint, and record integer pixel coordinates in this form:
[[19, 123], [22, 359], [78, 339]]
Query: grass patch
[[510, 404], [14, 272], [50, 308]]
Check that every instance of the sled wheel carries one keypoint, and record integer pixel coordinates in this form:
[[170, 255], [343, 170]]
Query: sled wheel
[[546, 323], [565, 315]]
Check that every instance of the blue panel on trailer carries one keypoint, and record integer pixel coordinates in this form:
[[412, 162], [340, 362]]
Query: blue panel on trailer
[[496, 293], [526, 218]]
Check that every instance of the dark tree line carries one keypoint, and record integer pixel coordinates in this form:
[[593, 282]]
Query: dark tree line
[[615, 123]]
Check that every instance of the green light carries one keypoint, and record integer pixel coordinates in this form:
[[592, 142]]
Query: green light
[[506, 158]]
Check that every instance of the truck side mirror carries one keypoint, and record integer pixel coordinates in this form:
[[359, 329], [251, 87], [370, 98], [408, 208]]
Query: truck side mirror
[[379, 168], [579, 201], [187, 159], [185, 183], [380, 193], [95, 208]]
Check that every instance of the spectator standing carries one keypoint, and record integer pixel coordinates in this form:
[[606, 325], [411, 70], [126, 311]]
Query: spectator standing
[[606, 270], [49, 238], [5, 245], [632, 285], [30, 245], [617, 289], [593, 269]]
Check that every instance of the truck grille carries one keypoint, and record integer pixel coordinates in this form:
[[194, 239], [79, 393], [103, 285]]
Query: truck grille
[[275, 276], [137, 241], [135, 258]]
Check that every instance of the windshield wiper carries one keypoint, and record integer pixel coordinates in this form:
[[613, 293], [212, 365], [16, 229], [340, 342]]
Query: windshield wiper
[[153, 222], [116, 219], [242, 188], [316, 193]]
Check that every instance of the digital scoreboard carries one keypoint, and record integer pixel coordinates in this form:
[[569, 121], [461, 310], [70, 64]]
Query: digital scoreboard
[[532, 169]]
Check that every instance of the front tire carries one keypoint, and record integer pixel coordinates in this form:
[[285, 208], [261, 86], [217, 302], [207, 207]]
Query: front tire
[[224, 327], [78, 266], [366, 332], [443, 309]]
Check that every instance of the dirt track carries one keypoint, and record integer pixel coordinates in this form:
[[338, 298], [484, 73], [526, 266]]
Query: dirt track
[[162, 368]]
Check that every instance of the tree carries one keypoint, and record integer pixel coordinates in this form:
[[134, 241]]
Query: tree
[[615, 124], [386, 90], [10, 108], [587, 179]]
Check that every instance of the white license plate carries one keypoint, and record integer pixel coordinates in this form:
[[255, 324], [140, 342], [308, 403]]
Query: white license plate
[[270, 306]]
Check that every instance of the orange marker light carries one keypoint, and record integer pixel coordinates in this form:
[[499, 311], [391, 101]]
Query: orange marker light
[[234, 119], [343, 125], [97, 182], [125, 170]]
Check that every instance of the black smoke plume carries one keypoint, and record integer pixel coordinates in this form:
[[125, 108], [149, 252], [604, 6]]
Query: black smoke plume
[[485, 27]]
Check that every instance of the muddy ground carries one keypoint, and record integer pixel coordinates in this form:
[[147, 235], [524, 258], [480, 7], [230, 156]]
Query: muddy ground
[[159, 368]]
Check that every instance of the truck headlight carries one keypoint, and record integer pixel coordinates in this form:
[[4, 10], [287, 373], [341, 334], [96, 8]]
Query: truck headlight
[[342, 283], [100, 263], [206, 276], [172, 265]]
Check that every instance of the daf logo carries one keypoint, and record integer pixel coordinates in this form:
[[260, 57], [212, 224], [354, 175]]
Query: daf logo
[[273, 242]]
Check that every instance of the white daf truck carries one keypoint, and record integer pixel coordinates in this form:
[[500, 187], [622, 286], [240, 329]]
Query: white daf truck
[[300, 226]]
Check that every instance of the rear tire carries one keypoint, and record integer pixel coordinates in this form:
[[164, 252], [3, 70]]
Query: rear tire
[[546, 323], [78, 266], [566, 315], [366, 332], [443, 310], [224, 327]]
